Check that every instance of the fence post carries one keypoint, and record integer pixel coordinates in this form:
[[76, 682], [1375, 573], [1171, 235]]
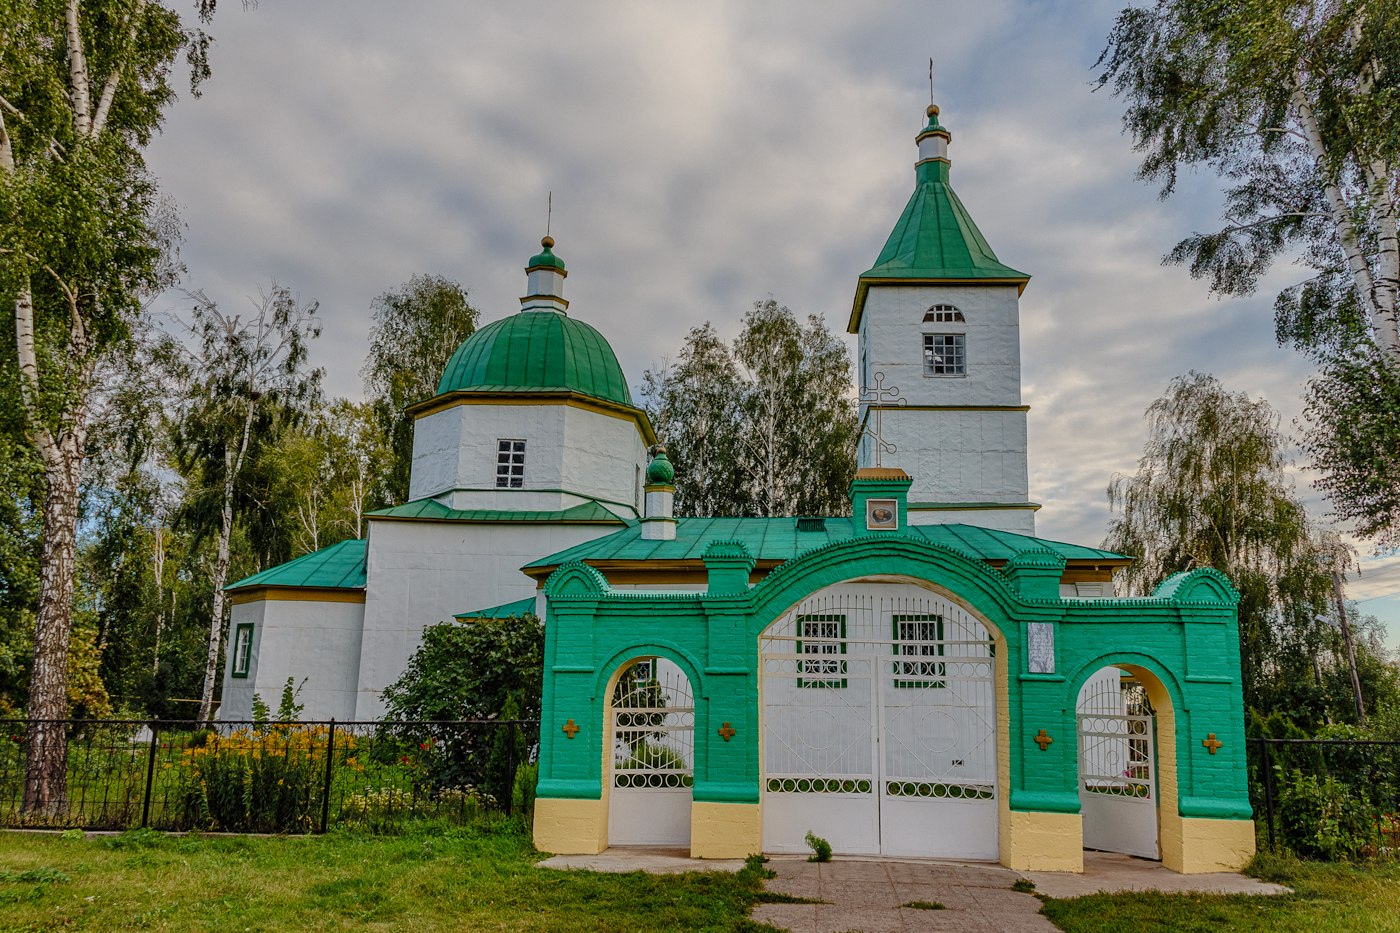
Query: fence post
[[1267, 767], [326, 789], [510, 767], [150, 772]]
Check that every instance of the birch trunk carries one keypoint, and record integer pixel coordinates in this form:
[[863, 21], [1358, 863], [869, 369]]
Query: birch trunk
[[46, 768]]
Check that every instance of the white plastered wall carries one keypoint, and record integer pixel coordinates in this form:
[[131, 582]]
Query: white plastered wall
[[318, 642], [422, 573], [958, 455], [455, 452]]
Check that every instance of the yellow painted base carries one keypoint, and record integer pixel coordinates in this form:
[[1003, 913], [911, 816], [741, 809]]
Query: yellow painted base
[[725, 830], [571, 827], [1042, 841], [1194, 846]]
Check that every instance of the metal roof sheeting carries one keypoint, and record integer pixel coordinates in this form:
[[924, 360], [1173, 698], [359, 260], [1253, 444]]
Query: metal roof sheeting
[[340, 566]]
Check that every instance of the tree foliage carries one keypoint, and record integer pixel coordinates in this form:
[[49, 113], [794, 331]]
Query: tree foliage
[[416, 329], [1297, 105], [470, 670], [1212, 490], [765, 427]]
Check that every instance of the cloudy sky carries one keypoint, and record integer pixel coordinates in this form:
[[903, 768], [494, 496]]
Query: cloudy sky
[[702, 156]]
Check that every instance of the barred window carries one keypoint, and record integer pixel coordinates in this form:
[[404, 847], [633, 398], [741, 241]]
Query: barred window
[[821, 643], [945, 354], [510, 464], [919, 637]]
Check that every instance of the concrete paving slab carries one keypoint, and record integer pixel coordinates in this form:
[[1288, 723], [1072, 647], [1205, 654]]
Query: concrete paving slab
[[1110, 873], [656, 861]]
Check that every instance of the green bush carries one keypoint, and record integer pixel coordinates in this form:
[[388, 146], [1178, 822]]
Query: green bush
[[1324, 819]]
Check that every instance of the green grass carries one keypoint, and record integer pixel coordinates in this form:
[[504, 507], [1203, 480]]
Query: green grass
[[480, 878], [1359, 898]]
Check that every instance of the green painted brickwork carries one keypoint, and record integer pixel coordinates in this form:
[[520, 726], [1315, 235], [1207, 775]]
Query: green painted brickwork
[[340, 566], [1186, 635], [537, 351]]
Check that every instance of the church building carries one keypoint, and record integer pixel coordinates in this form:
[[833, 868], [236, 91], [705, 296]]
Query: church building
[[921, 677]]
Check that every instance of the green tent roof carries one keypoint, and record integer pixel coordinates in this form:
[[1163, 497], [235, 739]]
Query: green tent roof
[[779, 539], [504, 611], [433, 510], [537, 351], [936, 238], [340, 566]]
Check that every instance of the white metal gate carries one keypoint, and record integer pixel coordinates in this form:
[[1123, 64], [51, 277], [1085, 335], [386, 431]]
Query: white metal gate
[[879, 725], [1117, 765], [653, 742]]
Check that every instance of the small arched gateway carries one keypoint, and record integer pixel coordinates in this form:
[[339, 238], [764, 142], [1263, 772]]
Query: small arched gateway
[[910, 690]]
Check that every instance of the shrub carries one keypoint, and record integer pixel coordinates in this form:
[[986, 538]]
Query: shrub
[[1322, 819]]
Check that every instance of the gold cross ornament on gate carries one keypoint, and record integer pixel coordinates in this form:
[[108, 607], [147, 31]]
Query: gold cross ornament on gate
[[1042, 740], [1211, 743], [726, 732], [571, 728]]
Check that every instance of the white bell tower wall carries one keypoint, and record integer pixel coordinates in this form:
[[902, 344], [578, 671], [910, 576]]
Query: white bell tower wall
[[961, 433]]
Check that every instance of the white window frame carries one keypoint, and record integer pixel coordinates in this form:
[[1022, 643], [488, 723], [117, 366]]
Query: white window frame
[[242, 649], [950, 370], [510, 462], [944, 314]]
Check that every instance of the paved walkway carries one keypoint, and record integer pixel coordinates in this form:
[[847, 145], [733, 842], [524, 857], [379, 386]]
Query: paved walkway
[[872, 895]]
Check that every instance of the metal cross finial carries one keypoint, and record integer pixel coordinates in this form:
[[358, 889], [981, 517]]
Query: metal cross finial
[[930, 80], [549, 212], [876, 399]]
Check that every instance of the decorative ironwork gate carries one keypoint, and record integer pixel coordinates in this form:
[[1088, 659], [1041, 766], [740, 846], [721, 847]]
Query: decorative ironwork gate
[[1117, 765], [653, 743], [879, 725]]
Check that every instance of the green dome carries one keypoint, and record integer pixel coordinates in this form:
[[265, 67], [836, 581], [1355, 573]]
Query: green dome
[[660, 472], [537, 351], [545, 257]]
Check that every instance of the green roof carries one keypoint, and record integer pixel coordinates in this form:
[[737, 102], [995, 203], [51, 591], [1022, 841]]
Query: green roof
[[433, 510], [778, 539], [936, 238], [504, 611], [545, 257], [537, 351], [340, 566]]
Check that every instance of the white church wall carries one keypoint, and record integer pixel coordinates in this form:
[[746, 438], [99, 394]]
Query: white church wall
[[606, 457], [318, 642], [458, 451], [1017, 521], [422, 573], [959, 456], [437, 441]]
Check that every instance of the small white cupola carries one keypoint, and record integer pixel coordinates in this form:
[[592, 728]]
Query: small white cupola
[[544, 281]]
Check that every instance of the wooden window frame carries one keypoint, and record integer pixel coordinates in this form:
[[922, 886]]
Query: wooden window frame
[[242, 659]]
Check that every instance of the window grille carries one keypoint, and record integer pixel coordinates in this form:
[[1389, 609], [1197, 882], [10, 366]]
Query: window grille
[[945, 355], [510, 464], [821, 642], [919, 636], [944, 314]]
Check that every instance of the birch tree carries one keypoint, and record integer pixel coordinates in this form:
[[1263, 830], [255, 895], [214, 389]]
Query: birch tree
[[765, 427], [1297, 105], [1212, 490], [244, 378], [82, 88]]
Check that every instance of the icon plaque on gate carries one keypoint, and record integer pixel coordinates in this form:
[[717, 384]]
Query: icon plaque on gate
[[881, 515]]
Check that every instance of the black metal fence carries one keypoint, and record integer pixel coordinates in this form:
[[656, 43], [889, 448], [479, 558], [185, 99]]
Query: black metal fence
[[1327, 798], [276, 777]]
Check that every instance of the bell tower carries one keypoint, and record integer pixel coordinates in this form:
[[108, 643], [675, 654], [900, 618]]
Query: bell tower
[[938, 320]]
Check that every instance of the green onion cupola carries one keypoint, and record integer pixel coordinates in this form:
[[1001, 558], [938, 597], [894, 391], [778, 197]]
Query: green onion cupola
[[935, 240], [540, 348]]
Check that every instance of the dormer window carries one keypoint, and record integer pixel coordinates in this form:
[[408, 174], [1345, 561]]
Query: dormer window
[[510, 464], [945, 354], [944, 314]]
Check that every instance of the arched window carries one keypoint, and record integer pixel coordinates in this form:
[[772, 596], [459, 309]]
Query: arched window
[[944, 314]]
